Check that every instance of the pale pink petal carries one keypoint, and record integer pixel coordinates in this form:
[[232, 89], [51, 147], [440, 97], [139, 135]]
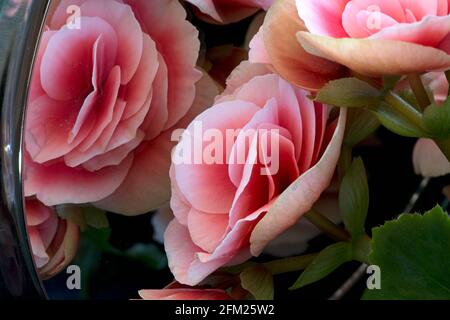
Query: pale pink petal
[[258, 52], [36, 89], [323, 16], [157, 116], [146, 186], [115, 156], [376, 57], [37, 246], [430, 31], [56, 183], [141, 83], [428, 159], [104, 108], [202, 264], [207, 187], [178, 203], [207, 230], [77, 156], [299, 197], [48, 127], [295, 240], [177, 41], [241, 75], [48, 229], [127, 29]]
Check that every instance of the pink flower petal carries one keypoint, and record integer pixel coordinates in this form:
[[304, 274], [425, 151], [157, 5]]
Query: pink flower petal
[[141, 83], [127, 29], [207, 187], [56, 183], [77, 157], [323, 16], [36, 213], [376, 57], [48, 127], [66, 67], [299, 197], [104, 108], [156, 118], [428, 159], [115, 156], [207, 230], [177, 41], [258, 52], [37, 246]]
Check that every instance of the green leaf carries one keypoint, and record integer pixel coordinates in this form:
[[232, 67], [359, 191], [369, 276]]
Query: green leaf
[[436, 120], [259, 282], [350, 93], [361, 124], [326, 262], [396, 123], [413, 253], [354, 198]]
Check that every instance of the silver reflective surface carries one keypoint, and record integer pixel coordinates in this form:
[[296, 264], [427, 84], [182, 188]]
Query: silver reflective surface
[[20, 25]]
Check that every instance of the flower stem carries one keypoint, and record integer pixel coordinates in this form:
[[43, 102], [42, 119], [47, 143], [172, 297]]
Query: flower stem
[[405, 109], [419, 90], [362, 248], [327, 226], [291, 264]]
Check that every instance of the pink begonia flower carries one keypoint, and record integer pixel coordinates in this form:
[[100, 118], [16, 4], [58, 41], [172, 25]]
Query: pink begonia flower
[[428, 159], [276, 44], [228, 11], [184, 294], [228, 209], [109, 86], [378, 37], [54, 241]]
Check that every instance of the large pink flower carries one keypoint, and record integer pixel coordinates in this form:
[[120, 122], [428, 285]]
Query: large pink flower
[[378, 37], [228, 209], [54, 241], [108, 87], [227, 11]]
